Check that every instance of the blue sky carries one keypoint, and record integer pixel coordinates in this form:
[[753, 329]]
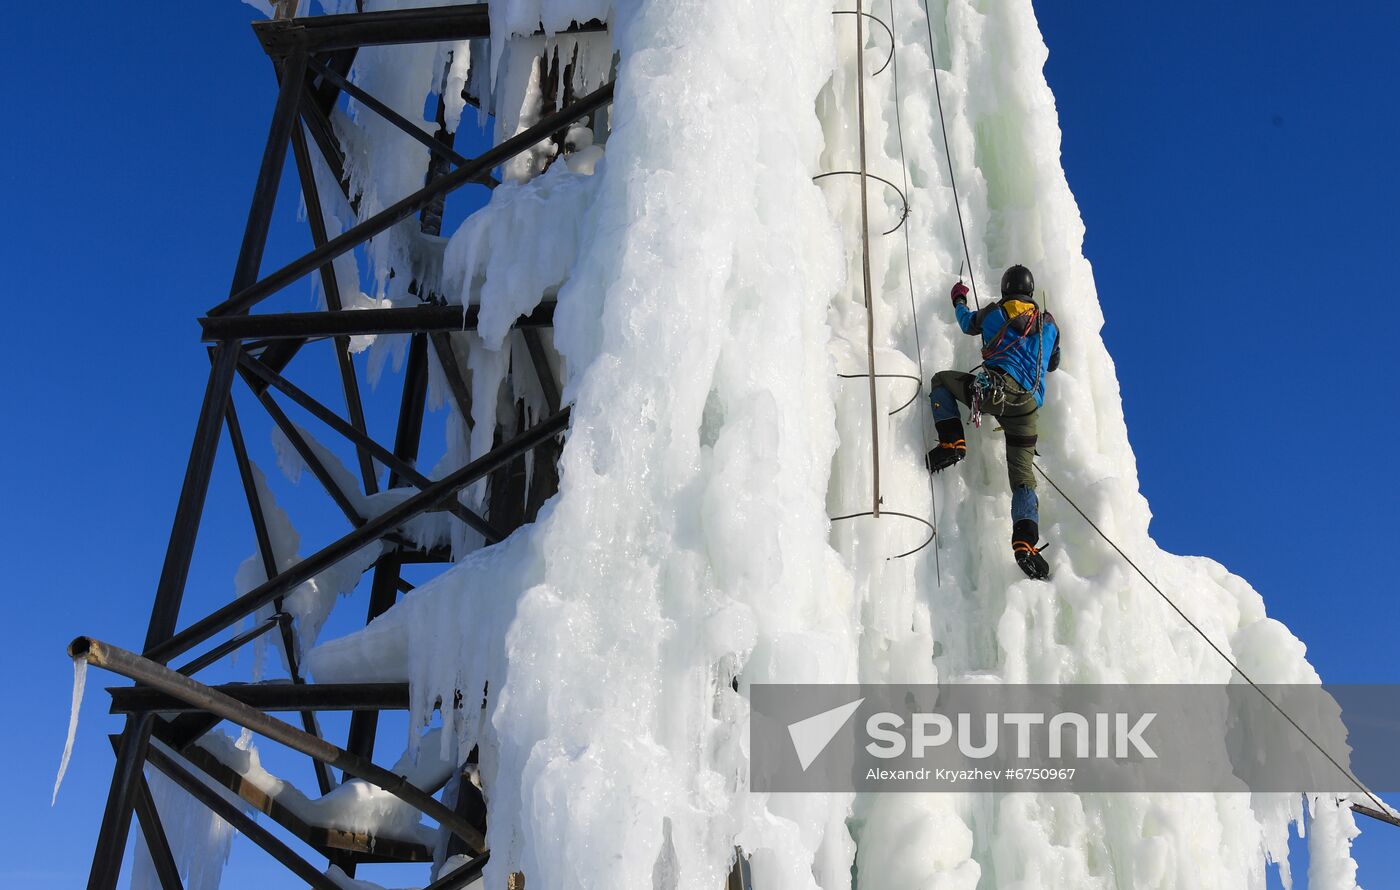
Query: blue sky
[[1233, 162]]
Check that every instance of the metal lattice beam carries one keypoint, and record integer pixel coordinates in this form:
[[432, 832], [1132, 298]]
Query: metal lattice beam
[[379, 526], [405, 207], [426, 318], [272, 697]]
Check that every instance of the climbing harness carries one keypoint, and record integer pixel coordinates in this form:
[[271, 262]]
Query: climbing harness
[[983, 389]]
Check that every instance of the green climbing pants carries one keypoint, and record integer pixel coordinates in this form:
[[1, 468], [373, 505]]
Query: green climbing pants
[[1015, 409]]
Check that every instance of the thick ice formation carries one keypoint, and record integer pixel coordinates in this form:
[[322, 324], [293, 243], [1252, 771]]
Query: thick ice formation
[[199, 840], [708, 295]]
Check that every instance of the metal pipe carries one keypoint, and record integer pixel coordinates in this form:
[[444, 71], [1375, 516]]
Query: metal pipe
[[372, 530], [406, 207], [157, 676]]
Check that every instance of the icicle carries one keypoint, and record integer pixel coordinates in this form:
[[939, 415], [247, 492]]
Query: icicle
[[79, 680]]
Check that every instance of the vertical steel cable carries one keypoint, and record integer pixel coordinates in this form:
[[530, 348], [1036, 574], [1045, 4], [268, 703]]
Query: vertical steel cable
[[865, 261]]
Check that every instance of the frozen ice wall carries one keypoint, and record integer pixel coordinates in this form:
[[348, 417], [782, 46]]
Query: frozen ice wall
[[708, 297]]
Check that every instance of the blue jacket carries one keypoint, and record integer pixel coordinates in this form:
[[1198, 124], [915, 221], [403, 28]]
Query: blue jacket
[[1017, 338]]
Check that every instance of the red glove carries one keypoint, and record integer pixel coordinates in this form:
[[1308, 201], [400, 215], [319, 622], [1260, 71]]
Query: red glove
[[959, 294]]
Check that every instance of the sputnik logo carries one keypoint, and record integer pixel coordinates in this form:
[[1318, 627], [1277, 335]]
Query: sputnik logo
[[811, 736]]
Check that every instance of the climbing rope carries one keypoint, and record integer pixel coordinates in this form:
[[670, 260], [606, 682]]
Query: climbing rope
[[948, 152], [924, 417], [1203, 635]]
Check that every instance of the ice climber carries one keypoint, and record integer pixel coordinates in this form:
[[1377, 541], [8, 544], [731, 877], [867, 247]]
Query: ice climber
[[1020, 345]]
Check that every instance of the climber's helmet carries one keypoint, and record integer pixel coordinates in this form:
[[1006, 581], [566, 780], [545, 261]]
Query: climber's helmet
[[1017, 282]]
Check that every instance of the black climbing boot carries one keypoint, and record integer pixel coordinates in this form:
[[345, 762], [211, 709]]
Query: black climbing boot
[[951, 448], [1025, 534]]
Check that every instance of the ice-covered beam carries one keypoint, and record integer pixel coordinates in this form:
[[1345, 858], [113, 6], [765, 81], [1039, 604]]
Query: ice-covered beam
[[402, 123], [427, 318], [358, 234], [1376, 814], [323, 838], [324, 33], [231, 814]]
